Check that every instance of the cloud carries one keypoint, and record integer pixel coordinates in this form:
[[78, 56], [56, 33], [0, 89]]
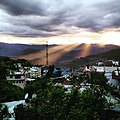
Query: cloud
[[21, 7], [45, 18]]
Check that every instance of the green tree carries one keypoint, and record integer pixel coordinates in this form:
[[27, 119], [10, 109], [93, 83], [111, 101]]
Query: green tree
[[3, 111], [101, 81], [9, 92], [53, 103], [24, 62], [3, 73], [50, 71]]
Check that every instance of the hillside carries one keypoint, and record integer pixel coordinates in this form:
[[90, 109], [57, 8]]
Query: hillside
[[92, 59], [64, 54], [11, 50], [57, 54]]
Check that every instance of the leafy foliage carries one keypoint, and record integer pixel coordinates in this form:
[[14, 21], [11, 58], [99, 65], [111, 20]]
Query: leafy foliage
[[101, 82], [9, 92], [3, 111], [53, 103], [24, 62], [91, 59]]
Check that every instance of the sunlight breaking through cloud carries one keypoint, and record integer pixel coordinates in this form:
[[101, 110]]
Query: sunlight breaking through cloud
[[54, 54], [65, 21], [85, 50]]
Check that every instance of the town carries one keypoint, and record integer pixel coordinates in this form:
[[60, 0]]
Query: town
[[25, 76], [59, 59]]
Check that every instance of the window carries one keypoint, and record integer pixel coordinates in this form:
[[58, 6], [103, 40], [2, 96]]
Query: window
[[11, 76], [17, 76]]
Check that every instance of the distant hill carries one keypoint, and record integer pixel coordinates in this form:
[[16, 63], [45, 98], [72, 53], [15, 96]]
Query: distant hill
[[92, 59], [11, 50], [64, 54], [112, 54], [57, 54]]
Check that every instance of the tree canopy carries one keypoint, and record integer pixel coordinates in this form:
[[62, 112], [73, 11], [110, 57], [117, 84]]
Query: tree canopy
[[52, 102], [9, 92]]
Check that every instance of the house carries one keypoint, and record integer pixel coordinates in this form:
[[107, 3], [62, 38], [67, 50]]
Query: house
[[17, 78], [113, 63], [100, 64], [99, 69], [33, 72], [116, 74], [23, 77]]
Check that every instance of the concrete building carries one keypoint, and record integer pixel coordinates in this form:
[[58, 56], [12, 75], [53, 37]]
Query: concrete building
[[18, 79]]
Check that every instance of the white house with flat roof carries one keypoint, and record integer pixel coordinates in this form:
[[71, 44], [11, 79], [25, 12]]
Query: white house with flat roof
[[17, 78]]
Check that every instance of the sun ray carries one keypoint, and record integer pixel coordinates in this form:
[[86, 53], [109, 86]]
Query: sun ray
[[54, 53], [85, 51], [57, 54]]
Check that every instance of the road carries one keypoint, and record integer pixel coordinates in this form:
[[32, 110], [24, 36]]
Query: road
[[11, 106]]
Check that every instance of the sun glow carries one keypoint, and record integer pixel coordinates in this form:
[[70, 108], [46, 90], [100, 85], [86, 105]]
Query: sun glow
[[102, 38], [85, 50], [111, 38], [65, 44], [53, 55]]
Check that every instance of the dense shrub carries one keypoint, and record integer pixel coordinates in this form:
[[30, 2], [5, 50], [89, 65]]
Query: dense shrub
[[52, 103]]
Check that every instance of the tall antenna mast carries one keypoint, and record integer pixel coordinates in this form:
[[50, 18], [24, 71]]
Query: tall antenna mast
[[46, 52]]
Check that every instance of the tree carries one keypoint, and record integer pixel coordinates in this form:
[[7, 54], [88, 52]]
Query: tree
[[3, 111], [24, 62], [100, 81], [53, 103], [50, 71], [3, 73], [9, 92]]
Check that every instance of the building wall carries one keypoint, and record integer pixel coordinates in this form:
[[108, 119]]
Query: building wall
[[19, 83], [16, 80]]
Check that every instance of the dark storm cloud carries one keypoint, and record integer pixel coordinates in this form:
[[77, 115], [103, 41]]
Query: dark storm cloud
[[100, 16], [21, 7], [111, 17], [49, 18]]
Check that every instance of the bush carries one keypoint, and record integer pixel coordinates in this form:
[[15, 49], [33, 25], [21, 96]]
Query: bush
[[9, 92], [52, 103], [3, 111]]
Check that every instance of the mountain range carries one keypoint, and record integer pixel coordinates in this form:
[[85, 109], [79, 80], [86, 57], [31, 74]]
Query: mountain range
[[113, 54], [57, 54]]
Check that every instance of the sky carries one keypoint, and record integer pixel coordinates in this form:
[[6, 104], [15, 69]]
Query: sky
[[60, 21]]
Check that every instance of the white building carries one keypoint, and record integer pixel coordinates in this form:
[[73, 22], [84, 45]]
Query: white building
[[18, 79]]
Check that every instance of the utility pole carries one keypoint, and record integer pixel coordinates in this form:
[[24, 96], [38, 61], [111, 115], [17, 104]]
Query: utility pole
[[46, 53]]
